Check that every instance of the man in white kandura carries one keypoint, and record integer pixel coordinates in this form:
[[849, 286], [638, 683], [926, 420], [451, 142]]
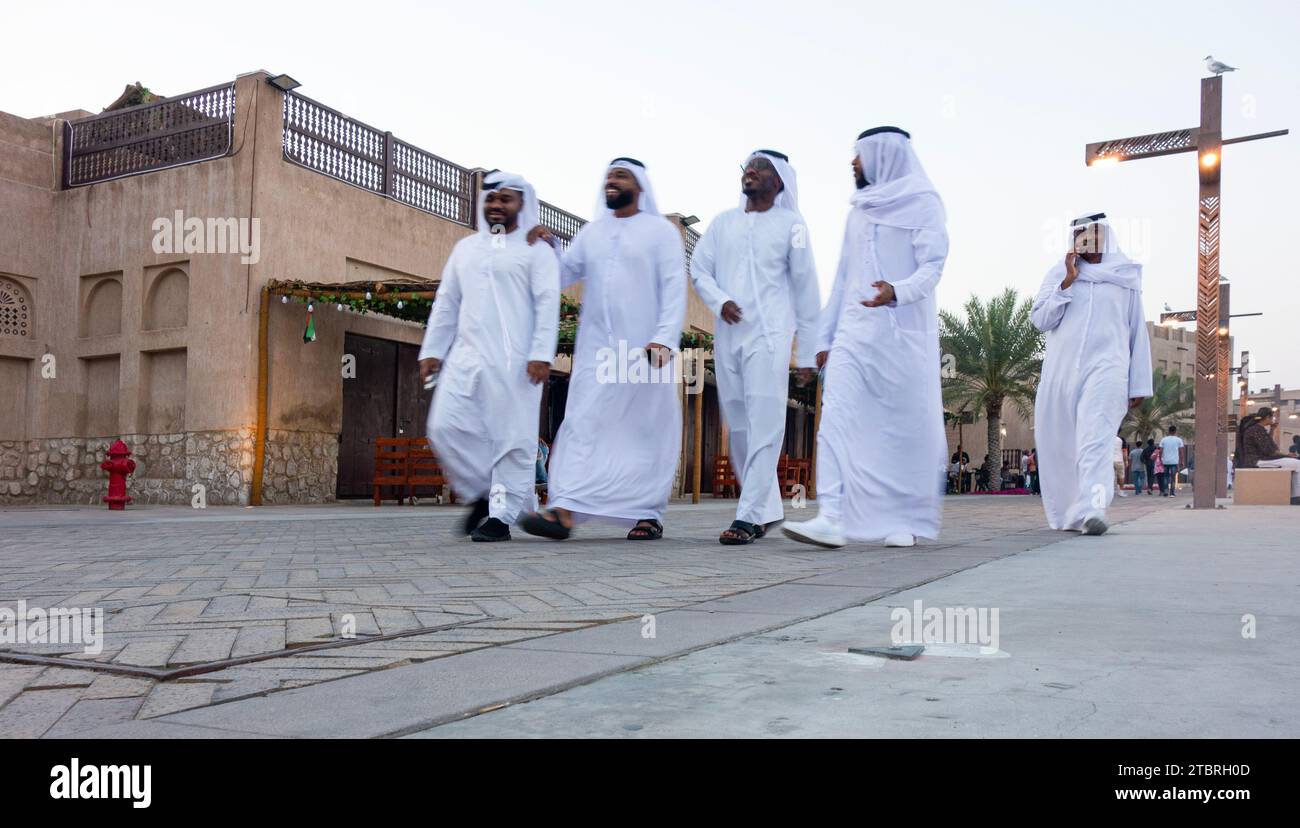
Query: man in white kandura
[[616, 452], [490, 340], [754, 269], [881, 445], [1098, 363]]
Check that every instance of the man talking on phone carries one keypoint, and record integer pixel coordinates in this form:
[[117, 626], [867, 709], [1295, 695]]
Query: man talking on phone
[[1098, 364]]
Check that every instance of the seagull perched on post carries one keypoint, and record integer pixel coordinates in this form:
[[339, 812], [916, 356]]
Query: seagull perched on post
[[1218, 67]]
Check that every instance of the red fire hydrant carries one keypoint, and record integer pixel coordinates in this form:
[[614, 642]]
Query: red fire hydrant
[[118, 465]]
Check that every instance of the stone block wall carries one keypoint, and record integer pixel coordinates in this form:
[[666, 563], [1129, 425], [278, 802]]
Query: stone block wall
[[301, 467]]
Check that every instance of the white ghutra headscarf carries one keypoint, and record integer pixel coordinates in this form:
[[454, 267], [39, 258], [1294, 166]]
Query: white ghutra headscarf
[[789, 195], [646, 202], [498, 180], [1115, 267], [898, 192]]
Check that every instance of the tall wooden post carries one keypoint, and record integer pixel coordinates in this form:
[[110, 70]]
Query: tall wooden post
[[263, 380], [1209, 411], [1212, 370], [697, 472], [1223, 374], [817, 427]]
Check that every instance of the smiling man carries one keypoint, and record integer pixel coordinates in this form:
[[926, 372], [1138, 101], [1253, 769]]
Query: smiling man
[[616, 453], [754, 269], [881, 445], [491, 339]]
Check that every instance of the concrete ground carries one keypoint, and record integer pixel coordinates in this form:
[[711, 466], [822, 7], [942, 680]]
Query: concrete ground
[[1141, 633], [599, 636]]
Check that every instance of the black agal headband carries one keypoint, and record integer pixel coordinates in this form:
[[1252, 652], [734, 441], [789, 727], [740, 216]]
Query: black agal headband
[[1084, 221], [881, 129]]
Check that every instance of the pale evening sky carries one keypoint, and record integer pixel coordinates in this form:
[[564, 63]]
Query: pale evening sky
[[1000, 98]]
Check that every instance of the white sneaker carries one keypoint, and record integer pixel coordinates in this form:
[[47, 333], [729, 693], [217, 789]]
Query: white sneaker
[[900, 539], [819, 531], [1095, 526]]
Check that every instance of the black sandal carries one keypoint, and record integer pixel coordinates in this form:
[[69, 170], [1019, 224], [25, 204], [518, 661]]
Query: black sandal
[[538, 524], [652, 530], [742, 533], [478, 512]]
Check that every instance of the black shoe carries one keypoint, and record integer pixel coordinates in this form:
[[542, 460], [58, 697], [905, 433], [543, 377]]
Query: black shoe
[[491, 530], [1295, 501], [477, 513]]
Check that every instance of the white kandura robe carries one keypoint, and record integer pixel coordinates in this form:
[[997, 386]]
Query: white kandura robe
[[881, 446], [762, 261], [617, 450], [496, 310], [1098, 356]]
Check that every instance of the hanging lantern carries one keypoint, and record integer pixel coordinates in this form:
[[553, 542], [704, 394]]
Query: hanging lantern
[[284, 300], [309, 334], [399, 304]]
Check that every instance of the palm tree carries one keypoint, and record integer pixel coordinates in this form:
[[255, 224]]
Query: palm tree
[[991, 356], [1171, 403]]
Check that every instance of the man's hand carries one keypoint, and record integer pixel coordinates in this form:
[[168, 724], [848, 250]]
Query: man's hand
[[659, 355], [885, 296], [804, 376], [429, 367], [731, 312], [821, 359], [539, 372], [1071, 269], [1134, 402], [540, 232]]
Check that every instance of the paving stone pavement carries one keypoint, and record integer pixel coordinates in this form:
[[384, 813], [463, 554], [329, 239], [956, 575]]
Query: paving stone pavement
[[183, 588]]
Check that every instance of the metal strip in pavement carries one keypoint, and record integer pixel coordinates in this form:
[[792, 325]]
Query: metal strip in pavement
[[213, 666]]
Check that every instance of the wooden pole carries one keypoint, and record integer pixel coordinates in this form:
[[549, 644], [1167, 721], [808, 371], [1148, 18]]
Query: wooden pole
[[1208, 412], [263, 369], [817, 427], [1223, 374], [697, 472], [681, 402]]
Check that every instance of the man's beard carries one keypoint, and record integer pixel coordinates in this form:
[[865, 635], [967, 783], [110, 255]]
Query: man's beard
[[862, 181], [619, 201]]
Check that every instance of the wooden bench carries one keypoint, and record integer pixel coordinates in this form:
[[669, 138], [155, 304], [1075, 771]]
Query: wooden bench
[[788, 475], [724, 477], [424, 470], [392, 457], [1262, 487], [405, 463]]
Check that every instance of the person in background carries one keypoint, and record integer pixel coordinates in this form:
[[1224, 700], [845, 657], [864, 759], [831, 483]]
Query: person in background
[[1295, 446], [1118, 462], [1138, 466], [1033, 472], [1256, 449], [1172, 449], [1158, 468], [1024, 468], [1149, 463]]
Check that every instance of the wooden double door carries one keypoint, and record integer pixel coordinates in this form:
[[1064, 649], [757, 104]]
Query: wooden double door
[[384, 399]]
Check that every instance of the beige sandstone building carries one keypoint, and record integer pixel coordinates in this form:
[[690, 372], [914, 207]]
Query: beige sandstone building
[[134, 289]]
